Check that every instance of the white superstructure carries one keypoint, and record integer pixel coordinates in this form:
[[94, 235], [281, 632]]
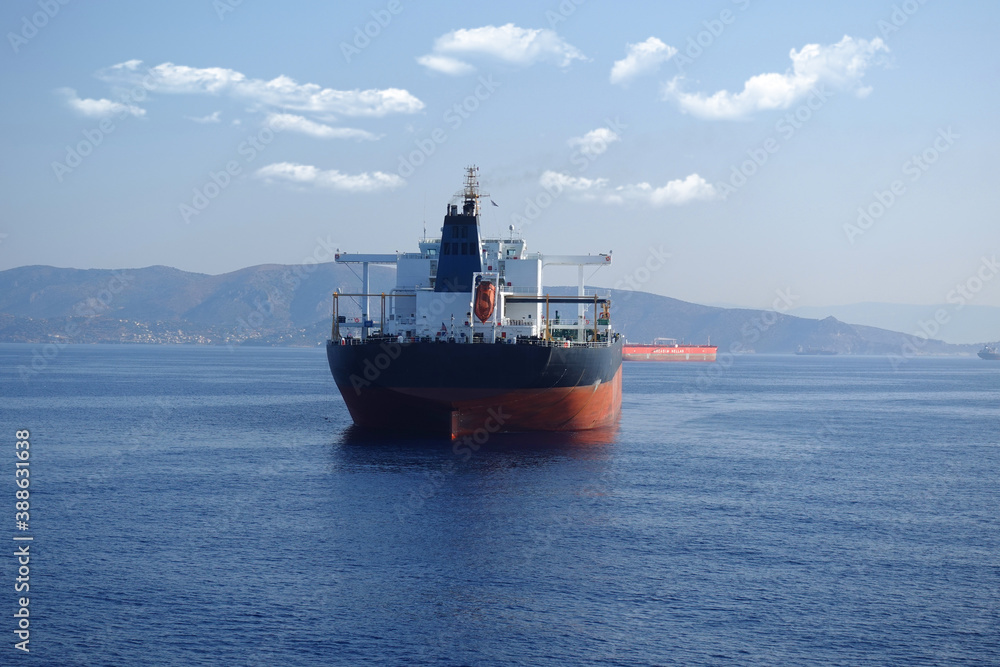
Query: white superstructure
[[422, 306]]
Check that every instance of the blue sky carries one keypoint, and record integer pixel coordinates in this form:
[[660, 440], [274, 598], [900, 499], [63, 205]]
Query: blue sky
[[763, 145]]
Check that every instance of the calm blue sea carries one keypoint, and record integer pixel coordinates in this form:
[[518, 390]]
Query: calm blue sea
[[200, 506]]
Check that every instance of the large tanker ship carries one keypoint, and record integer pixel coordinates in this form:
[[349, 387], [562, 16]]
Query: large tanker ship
[[468, 344]]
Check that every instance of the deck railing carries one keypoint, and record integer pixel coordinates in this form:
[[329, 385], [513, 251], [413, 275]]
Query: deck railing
[[547, 324], [540, 342]]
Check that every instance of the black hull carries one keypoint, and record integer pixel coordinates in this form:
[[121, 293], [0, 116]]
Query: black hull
[[465, 389]]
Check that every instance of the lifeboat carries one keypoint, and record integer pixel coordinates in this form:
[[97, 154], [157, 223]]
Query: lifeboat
[[485, 301]]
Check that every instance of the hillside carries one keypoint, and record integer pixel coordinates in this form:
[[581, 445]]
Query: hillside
[[965, 324], [290, 305], [268, 304], [642, 317]]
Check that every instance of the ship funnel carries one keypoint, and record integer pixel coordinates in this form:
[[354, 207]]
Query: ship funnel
[[461, 246]]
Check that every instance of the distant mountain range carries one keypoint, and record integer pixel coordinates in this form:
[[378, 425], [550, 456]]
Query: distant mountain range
[[291, 305], [269, 304], [643, 317], [962, 323]]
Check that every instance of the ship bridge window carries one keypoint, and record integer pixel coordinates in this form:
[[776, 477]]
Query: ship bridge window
[[465, 231], [454, 232], [465, 248], [445, 248]]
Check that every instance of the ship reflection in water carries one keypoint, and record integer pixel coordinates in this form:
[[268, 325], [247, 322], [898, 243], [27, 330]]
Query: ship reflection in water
[[464, 447]]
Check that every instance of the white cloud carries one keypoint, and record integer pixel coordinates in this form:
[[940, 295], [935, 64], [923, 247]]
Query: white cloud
[[674, 193], [554, 180], [841, 66], [281, 91], [98, 108], [642, 58], [287, 121], [213, 117], [595, 142], [303, 174], [446, 65], [508, 43]]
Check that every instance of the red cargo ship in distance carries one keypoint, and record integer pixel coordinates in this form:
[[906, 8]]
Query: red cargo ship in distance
[[667, 349]]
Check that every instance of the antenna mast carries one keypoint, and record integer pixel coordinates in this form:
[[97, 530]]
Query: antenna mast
[[471, 195]]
